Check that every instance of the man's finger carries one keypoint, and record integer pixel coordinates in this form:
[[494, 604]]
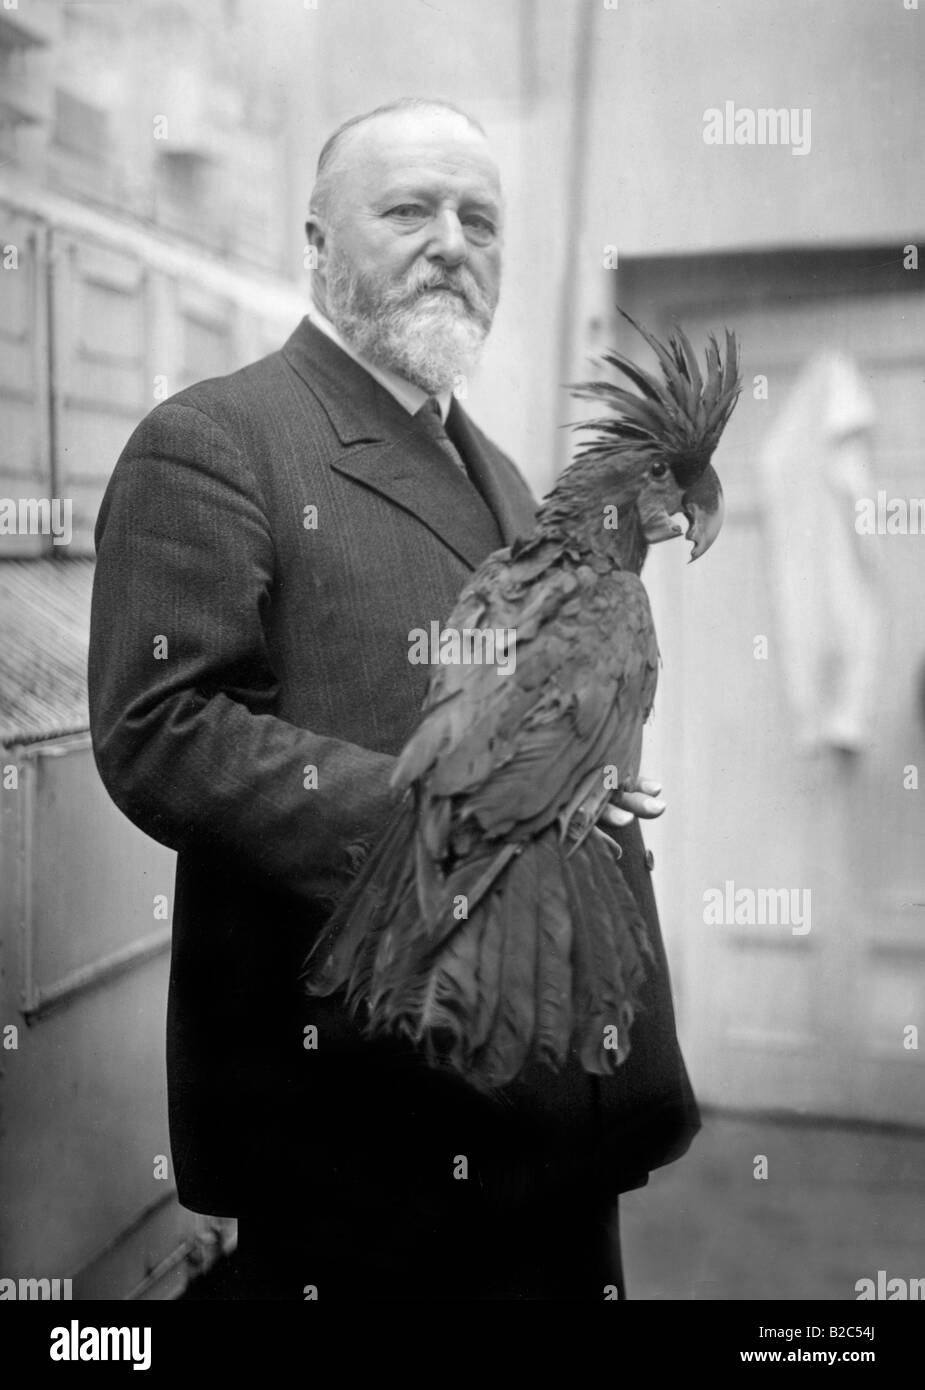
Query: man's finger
[[641, 784], [642, 805], [629, 804]]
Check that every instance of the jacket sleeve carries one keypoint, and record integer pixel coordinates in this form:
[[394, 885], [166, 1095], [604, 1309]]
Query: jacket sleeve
[[181, 685]]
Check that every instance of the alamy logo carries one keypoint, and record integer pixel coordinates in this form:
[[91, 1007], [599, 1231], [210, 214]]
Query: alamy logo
[[76, 1343], [37, 516], [889, 516], [476, 646], [768, 125], [750, 907], [28, 1290], [894, 1290]]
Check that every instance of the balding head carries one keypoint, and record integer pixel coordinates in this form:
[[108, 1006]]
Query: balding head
[[332, 161], [406, 222]]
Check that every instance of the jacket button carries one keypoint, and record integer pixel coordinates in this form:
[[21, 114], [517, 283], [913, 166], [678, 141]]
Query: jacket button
[[650, 860]]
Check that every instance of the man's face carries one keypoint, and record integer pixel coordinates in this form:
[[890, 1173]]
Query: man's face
[[410, 252]]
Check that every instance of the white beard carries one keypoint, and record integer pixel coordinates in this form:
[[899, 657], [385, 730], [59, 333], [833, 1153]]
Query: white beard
[[430, 339]]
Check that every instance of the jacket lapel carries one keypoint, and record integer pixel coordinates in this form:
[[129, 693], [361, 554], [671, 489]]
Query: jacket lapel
[[503, 489], [383, 449]]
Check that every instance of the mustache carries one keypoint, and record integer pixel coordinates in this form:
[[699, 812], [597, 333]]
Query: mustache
[[374, 293], [424, 278]]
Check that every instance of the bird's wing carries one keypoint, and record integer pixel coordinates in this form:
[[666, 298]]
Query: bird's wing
[[513, 751]]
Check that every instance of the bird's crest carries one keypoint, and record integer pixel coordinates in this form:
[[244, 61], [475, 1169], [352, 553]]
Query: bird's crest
[[680, 416]]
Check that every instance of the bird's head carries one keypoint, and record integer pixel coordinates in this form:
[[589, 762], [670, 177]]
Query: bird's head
[[653, 451]]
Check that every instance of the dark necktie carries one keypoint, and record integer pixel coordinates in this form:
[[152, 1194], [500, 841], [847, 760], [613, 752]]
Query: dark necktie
[[431, 420]]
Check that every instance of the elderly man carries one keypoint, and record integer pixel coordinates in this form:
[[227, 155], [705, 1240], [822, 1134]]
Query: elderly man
[[266, 545]]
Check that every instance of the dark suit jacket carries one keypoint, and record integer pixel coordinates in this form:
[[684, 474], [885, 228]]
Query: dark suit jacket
[[284, 647]]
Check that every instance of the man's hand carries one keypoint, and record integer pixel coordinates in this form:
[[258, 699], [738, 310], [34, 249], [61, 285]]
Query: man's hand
[[635, 798]]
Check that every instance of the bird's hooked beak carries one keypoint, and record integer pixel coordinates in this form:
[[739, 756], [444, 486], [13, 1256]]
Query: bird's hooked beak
[[703, 506]]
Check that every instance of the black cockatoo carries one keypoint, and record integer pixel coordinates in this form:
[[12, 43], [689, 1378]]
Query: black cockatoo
[[492, 923]]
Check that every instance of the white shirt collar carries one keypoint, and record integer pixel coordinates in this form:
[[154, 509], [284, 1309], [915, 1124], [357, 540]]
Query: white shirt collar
[[405, 392]]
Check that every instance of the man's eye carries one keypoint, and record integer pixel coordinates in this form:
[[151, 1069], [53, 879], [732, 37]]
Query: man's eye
[[481, 227], [406, 212]]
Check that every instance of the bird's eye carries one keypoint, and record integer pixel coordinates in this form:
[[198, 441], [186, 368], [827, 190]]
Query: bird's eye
[[658, 470]]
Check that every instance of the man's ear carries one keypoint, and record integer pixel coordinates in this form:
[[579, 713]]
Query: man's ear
[[316, 238]]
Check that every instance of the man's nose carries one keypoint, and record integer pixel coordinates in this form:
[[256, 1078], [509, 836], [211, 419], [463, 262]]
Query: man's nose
[[447, 240]]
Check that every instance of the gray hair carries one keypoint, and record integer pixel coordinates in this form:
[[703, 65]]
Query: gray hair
[[325, 175]]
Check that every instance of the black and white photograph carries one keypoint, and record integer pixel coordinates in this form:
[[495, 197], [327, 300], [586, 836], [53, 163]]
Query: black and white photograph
[[462, 665]]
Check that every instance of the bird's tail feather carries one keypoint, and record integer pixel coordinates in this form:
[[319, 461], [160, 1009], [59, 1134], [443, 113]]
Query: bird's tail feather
[[537, 949], [362, 915]]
